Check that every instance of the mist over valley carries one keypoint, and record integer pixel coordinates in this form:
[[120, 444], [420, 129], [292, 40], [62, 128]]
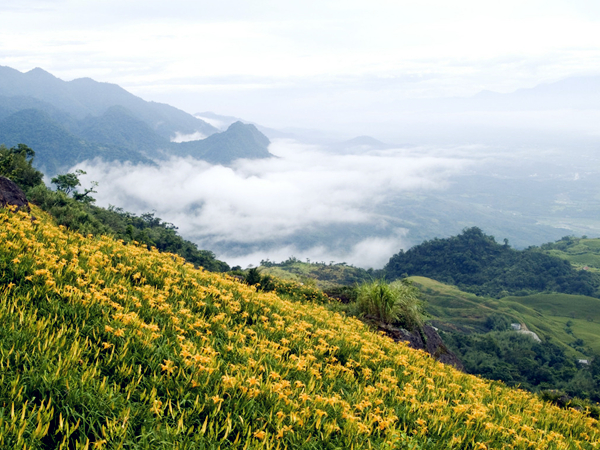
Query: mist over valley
[[520, 166]]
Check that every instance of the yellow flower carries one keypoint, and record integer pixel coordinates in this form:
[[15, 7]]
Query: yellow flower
[[259, 434], [119, 332], [168, 366], [216, 399], [157, 407], [252, 381]]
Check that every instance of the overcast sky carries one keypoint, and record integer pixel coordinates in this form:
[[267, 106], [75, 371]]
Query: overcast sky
[[303, 63]]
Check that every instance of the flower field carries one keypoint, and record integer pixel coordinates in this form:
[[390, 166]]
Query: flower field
[[106, 345]]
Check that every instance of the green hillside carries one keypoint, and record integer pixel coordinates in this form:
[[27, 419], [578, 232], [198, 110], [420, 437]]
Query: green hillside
[[581, 252], [325, 276], [475, 262], [107, 346], [478, 330], [545, 314], [57, 148]]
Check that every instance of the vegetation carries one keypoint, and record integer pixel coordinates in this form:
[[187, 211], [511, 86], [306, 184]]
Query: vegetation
[[475, 262], [56, 146], [395, 303], [336, 280], [269, 283], [110, 345], [581, 252], [567, 320], [16, 165], [518, 360], [478, 330], [76, 211]]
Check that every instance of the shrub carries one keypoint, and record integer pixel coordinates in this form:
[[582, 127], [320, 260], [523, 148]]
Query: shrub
[[396, 302]]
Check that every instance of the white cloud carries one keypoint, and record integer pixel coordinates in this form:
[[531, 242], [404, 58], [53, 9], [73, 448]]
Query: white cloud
[[317, 58], [367, 253], [260, 201], [180, 137]]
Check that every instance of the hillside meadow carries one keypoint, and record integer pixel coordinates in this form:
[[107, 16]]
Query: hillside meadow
[[107, 345], [564, 318]]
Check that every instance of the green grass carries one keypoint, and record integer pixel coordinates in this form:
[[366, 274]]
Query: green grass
[[451, 309], [578, 251]]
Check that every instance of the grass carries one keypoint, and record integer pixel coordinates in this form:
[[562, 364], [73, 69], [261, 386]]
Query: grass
[[579, 252], [546, 314], [105, 345]]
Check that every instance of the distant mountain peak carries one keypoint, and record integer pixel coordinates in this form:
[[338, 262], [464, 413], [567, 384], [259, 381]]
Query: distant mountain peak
[[40, 74], [239, 141], [360, 144], [366, 140]]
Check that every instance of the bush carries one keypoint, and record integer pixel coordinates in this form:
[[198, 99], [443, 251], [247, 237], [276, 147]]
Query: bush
[[397, 303]]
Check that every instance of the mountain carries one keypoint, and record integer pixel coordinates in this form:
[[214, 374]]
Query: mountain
[[570, 93], [69, 122], [118, 126], [217, 120], [238, 141], [56, 148], [84, 96], [223, 122], [359, 144]]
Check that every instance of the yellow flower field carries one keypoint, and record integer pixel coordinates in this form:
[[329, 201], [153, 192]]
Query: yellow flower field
[[107, 345]]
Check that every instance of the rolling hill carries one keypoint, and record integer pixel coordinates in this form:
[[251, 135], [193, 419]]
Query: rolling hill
[[106, 345]]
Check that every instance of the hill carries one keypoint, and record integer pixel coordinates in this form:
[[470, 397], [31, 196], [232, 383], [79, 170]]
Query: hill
[[70, 122], [108, 345], [581, 252], [546, 314], [478, 329], [238, 141], [57, 148], [475, 262], [325, 276]]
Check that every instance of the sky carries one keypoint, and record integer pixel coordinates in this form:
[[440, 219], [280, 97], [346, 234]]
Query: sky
[[348, 67], [314, 64]]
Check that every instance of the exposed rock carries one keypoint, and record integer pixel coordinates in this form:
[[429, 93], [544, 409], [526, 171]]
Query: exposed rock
[[11, 194], [531, 334], [428, 340]]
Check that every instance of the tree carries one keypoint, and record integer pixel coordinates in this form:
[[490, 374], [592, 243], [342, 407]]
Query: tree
[[16, 165], [68, 183]]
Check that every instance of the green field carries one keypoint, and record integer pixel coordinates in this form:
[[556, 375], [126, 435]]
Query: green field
[[578, 251], [559, 318]]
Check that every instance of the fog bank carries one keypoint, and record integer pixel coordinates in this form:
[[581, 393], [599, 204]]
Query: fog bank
[[304, 202]]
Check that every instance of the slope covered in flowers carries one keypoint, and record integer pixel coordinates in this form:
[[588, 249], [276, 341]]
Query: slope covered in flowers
[[106, 345]]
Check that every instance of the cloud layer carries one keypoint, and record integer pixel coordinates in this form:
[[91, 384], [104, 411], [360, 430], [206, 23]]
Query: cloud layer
[[265, 208]]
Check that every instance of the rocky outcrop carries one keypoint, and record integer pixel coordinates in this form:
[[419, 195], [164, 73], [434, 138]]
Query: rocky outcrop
[[11, 194], [426, 339]]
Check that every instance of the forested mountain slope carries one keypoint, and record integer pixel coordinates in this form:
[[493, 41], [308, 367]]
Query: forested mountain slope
[[70, 122], [475, 262]]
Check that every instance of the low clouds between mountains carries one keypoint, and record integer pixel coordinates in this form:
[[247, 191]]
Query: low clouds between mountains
[[269, 200]]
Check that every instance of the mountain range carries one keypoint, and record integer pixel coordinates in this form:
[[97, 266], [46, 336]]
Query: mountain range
[[69, 122]]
